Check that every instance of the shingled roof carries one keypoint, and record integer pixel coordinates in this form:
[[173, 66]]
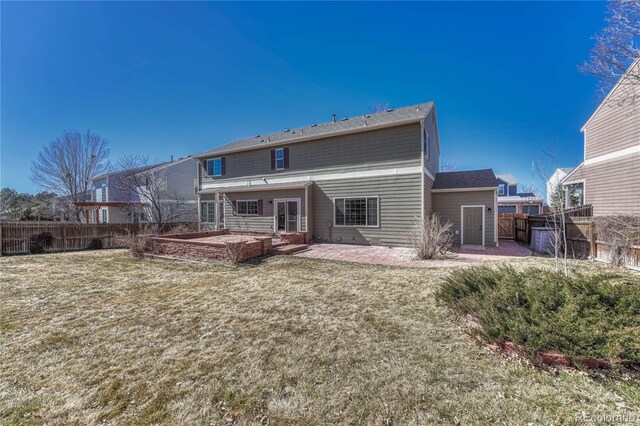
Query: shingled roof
[[467, 179], [399, 115]]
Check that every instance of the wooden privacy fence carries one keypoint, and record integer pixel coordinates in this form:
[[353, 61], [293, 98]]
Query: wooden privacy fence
[[507, 226], [582, 241], [15, 237]]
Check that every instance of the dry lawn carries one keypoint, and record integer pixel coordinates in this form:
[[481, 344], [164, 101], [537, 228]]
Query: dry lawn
[[98, 337]]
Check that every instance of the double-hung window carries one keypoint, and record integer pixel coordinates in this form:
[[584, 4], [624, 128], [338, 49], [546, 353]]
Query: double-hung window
[[214, 167], [280, 159], [356, 211], [247, 207], [502, 189]]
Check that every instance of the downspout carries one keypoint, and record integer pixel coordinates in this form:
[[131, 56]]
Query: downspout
[[422, 212]]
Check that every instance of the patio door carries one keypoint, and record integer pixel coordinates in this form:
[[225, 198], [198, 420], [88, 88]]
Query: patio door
[[287, 216]]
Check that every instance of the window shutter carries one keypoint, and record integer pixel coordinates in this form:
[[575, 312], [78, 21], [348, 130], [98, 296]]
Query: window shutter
[[286, 157], [206, 167], [259, 207], [234, 206], [273, 159], [223, 168]]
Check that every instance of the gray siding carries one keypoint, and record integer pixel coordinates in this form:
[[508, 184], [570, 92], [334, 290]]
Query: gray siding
[[264, 222], [615, 126], [432, 163], [428, 196], [181, 178], [400, 203], [448, 206], [612, 187], [377, 149]]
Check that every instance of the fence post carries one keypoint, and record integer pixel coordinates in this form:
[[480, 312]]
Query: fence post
[[64, 238], [1, 245]]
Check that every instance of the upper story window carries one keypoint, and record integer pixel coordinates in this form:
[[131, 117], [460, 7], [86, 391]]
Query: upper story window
[[280, 159], [103, 190], [426, 143], [502, 189], [216, 166]]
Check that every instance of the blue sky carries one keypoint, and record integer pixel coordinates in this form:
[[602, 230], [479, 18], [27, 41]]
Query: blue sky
[[181, 78]]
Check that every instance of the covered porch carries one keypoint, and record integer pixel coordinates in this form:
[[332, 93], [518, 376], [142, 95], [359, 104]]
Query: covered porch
[[278, 209]]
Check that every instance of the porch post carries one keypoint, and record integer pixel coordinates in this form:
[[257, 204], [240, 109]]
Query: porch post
[[217, 210], [86, 216], [98, 216], [199, 213]]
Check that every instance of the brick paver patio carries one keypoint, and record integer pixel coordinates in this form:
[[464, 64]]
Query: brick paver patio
[[403, 256]]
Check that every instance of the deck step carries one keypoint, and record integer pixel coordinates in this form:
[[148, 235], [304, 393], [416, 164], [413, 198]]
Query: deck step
[[288, 249], [279, 244]]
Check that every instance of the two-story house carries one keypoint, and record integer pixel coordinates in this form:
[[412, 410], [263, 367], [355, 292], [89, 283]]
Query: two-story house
[[116, 199], [358, 180], [512, 201], [608, 178]]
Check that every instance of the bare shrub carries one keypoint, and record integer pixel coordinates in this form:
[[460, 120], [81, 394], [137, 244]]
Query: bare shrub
[[619, 233], [182, 228], [234, 251], [431, 237], [139, 243]]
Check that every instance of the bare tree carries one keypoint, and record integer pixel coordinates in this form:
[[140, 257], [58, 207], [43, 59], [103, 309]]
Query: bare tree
[[65, 165], [447, 166], [146, 186], [557, 221], [617, 47]]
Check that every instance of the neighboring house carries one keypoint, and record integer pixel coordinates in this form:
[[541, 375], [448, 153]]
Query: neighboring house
[[554, 181], [114, 202], [360, 180], [608, 178], [512, 201]]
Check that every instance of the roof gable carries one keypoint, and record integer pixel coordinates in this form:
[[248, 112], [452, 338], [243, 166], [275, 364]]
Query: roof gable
[[635, 63]]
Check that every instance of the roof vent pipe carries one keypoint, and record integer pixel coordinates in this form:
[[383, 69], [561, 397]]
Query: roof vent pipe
[[172, 158], [334, 118]]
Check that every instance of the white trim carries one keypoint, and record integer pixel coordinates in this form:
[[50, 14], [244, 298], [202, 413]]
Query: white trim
[[256, 183], [484, 223], [615, 154], [488, 188], [247, 214], [312, 137], [604, 101], [333, 200], [275, 213], [428, 173], [575, 169]]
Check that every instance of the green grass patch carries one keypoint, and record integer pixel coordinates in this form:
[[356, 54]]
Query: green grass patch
[[582, 315]]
